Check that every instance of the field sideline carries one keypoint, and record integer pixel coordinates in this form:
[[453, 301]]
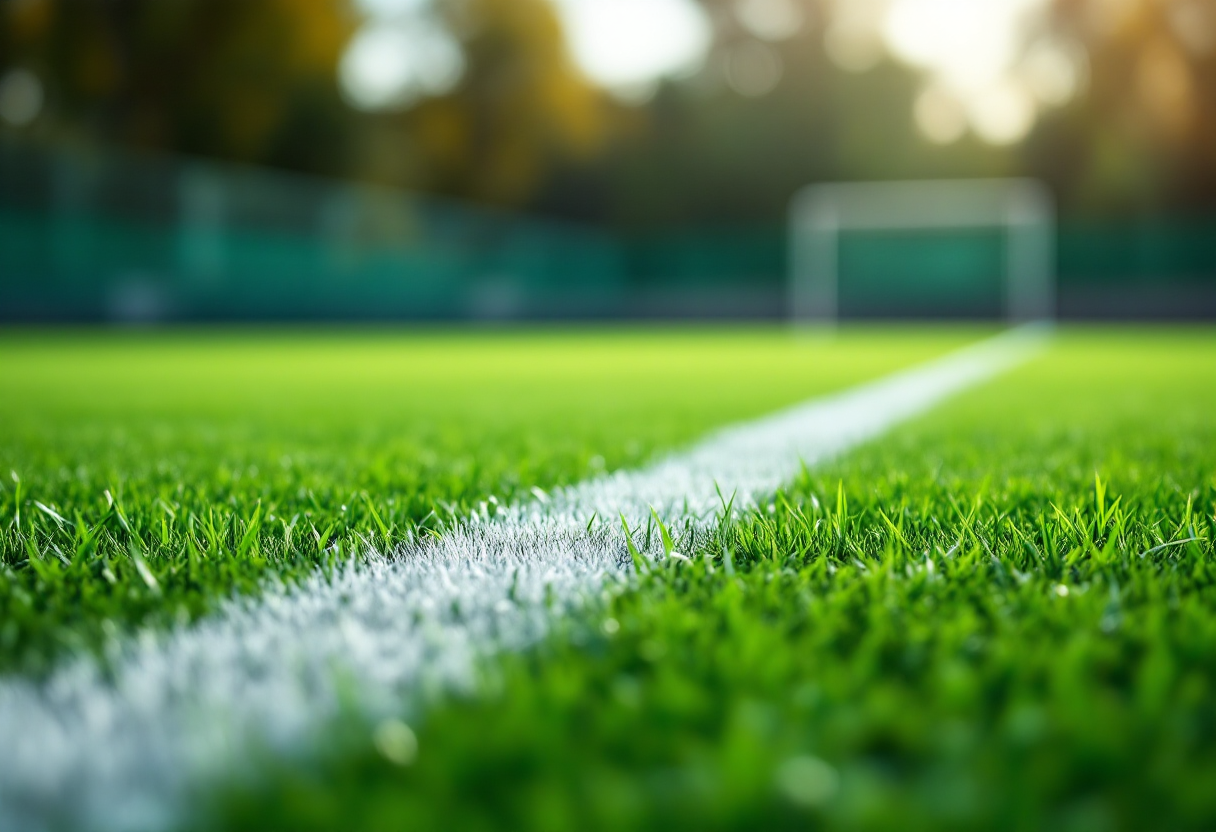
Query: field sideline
[[875, 648]]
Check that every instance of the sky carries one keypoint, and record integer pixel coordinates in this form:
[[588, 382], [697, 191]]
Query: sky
[[984, 69]]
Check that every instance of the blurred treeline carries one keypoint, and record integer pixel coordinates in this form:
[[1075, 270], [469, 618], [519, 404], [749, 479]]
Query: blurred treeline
[[256, 81]]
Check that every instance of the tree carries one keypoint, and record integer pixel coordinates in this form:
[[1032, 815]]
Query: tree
[[233, 79], [1144, 134], [520, 110]]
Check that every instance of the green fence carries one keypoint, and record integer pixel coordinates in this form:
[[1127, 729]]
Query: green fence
[[90, 235]]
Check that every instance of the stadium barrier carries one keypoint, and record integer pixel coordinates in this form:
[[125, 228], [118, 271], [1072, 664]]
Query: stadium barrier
[[93, 235], [113, 236]]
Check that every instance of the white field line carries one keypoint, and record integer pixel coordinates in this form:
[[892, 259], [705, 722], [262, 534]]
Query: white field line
[[131, 749]]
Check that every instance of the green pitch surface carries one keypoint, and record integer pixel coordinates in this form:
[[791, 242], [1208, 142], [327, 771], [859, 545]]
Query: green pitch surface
[[154, 473], [1001, 615]]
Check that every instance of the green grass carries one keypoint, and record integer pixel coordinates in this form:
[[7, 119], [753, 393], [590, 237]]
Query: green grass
[[1002, 616], [153, 473]]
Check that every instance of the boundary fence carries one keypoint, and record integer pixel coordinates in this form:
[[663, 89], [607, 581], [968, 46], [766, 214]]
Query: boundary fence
[[91, 235]]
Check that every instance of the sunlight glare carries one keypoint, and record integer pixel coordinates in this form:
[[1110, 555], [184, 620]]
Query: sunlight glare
[[1004, 114], [771, 19], [940, 116], [625, 45], [390, 65], [969, 44], [980, 71]]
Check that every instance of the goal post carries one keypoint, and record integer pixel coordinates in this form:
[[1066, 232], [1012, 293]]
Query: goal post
[[1022, 209]]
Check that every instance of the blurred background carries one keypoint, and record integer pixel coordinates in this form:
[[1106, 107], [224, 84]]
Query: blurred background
[[188, 160]]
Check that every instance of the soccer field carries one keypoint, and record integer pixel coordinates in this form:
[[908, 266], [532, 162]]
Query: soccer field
[[999, 614]]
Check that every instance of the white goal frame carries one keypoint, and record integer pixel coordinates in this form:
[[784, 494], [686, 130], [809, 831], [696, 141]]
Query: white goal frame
[[1024, 208]]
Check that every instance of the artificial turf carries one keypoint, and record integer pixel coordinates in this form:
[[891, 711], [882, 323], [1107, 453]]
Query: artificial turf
[[1001, 616], [147, 474]]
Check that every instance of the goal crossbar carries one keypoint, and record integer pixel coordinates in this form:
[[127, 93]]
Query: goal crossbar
[[1023, 208]]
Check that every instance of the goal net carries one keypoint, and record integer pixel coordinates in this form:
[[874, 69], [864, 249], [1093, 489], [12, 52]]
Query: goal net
[[955, 248]]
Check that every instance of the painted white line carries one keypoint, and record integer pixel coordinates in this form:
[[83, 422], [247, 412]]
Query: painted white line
[[127, 751]]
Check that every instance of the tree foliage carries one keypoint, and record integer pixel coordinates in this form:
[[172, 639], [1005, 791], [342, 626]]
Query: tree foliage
[[257, 81], [241, 80]]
